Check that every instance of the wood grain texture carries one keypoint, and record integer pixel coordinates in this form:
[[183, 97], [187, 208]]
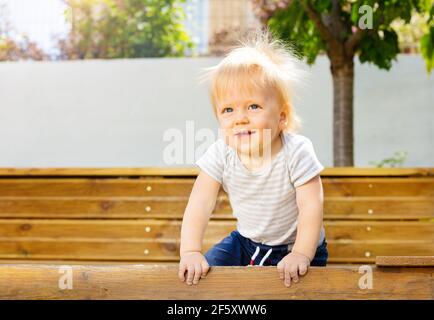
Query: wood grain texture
[[153, 282], [405, 261], [151, 250], [173, 208], [158, 240], [181, 187], [134, 214], [158, 229], [88, 262], [190, 171]]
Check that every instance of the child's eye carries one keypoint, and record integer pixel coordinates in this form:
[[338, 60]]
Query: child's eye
[[254, 106], [228, 109]]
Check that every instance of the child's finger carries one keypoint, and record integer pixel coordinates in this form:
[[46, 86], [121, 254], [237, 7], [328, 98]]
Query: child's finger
[[197, 273], [287, 277], [205, 268], [302, 269], [281, 270], [181, 272], [294, 273], [190, 274]]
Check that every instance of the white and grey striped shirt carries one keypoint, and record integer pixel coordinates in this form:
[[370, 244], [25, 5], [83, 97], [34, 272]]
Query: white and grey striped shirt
[[264, 202]]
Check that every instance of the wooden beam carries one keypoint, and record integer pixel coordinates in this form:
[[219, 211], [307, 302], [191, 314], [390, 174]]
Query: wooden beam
[[152, 282], [404, 261], [128, 240], [192, 171], [59, 262]]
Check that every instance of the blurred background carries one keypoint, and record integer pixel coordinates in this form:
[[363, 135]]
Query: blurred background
[[97, 83]]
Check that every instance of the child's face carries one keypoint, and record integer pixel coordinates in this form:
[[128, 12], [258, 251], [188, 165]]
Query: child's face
[[244, 119]]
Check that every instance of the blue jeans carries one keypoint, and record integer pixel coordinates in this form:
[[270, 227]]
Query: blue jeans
[[236, 250]]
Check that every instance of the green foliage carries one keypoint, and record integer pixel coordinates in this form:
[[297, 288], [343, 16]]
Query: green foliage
[[13, 48], [125, 29], [293, 25], [427, 49], [378, 45], [397, 160], [380, 48]]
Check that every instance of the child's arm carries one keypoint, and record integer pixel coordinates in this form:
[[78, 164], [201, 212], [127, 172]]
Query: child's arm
[[197, 213], [310, 201]]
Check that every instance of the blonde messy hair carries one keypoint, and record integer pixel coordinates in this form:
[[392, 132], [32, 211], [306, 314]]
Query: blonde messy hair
[[259, 60]]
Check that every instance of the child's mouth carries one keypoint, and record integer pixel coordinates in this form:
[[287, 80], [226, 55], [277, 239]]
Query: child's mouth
[[244, 133]]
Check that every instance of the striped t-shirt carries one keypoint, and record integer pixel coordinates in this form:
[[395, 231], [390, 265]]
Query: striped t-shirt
[[264, 201]]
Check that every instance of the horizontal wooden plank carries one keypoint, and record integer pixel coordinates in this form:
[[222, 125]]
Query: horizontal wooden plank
[[354, 198], [376, 172], [24, 281], [165, 250], [192, 171], [108, 172], [150, 207], [88, 262], [370, 231], [365, 208], [404, 261], [181, 187], [379, 208], [91, 249], [367, 251], [107, 229], [158, 240], [113, 262], [378, 187], [170, 229], [87, 187]]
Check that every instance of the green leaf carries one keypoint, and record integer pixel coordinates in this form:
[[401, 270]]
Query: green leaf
[[293, 26], [126, 29], [379, 49], [427, 49]]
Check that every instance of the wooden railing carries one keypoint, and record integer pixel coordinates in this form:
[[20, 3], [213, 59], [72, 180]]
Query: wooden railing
[[134, 214], [129, 281], [115, 234]]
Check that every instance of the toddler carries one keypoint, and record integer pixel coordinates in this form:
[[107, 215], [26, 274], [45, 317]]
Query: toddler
[[269, 172]]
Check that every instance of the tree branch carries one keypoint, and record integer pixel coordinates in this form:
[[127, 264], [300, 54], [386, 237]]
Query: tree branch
[[326, 34], [354, 40]]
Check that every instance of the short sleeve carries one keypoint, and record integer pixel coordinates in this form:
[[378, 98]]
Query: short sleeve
[[213, 160], [303, 163]]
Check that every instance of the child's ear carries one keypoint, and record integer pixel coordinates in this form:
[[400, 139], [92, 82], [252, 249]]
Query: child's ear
[[283, 120]]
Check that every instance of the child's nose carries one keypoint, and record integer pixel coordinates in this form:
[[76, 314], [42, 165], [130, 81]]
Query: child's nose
[[241, 117]]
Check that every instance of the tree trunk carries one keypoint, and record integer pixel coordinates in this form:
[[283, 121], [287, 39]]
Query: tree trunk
[[343, 88]]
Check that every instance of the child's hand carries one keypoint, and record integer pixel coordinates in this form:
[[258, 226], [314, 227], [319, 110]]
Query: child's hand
[[291, 266], [195, 264]]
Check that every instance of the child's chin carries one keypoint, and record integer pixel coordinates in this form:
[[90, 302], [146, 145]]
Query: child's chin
[[246, 147]]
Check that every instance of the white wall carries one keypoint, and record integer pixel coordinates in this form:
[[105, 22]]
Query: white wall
[[114, 113]]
